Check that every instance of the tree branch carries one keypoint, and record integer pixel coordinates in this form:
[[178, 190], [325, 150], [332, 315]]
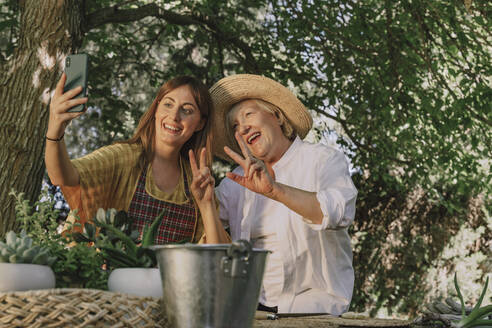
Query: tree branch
[[251, 65], [344, 125], [116, 15]]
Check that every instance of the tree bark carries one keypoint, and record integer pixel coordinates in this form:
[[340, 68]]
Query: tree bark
[[49, 30]]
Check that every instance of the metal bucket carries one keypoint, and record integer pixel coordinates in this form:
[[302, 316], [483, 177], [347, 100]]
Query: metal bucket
[[210, 285]]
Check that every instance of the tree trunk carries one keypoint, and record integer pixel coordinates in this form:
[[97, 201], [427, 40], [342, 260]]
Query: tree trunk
[[49, 30]]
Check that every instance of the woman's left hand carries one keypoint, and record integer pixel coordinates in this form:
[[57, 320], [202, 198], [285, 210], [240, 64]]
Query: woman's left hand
[[202, 186]]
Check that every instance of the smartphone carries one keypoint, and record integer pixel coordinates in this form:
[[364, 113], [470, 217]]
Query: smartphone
[[76, 71]]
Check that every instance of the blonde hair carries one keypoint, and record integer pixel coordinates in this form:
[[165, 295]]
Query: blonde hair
[[285, 125]]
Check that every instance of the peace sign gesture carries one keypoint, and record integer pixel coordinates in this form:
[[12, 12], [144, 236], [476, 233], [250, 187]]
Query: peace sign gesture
[[257, 177], [202, 185]]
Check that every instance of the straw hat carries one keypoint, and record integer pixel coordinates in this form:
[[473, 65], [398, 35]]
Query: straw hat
[[232, 89]]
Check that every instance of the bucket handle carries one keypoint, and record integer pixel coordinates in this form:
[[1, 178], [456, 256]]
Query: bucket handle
[[238, 248], [236, 263]]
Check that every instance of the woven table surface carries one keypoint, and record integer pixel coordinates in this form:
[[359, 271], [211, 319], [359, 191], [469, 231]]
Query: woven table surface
[[73, 307]]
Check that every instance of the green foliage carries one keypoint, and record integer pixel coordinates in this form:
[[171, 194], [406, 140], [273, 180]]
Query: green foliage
[[457, 315], [409, 93], [117, 242], [479, 316], [80, 266], [75, 265], [408, 100], [20, 249], [9, 28]]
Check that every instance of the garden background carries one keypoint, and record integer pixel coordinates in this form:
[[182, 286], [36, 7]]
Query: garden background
[[402, 87]]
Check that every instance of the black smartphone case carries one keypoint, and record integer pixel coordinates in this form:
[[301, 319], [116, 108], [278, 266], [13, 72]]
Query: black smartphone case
[[76, 71]]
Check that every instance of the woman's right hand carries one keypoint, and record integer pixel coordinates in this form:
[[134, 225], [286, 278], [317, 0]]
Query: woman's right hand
[[60, 103], [257, 177]]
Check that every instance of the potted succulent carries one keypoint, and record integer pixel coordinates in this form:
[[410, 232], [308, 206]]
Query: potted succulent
[[76, 265], [457, 315], [133, 265], [24, 266]]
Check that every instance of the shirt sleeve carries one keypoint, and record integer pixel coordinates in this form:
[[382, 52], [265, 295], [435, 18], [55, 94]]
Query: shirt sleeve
[[227, 194], [101, 179], [222, 194], [335, 192]]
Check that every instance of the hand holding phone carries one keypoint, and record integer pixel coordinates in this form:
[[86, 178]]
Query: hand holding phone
[[76, 71]]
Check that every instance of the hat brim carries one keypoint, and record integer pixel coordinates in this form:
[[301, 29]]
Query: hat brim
[[235, 88]]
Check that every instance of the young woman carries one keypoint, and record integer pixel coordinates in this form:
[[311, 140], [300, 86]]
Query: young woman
[[154, 171]]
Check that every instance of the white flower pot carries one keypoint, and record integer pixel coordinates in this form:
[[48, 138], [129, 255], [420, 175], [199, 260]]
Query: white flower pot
[[136, 281], [21, 277]]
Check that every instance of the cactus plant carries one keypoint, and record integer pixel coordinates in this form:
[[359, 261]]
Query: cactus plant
[[20, 249]]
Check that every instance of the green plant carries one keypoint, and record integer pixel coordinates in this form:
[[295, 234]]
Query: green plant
[[76, 265], [118, 243], [456, 315], [479, 316], [81, 266], [20, 249]]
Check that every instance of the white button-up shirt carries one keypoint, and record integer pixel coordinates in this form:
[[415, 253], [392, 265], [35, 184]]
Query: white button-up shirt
[[317, 258]]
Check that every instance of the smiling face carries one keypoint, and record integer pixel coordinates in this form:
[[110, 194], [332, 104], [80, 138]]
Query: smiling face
[[260, 129], [177, 117]]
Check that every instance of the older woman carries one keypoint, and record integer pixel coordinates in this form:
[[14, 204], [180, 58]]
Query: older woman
[[149, 173], [289, 196]]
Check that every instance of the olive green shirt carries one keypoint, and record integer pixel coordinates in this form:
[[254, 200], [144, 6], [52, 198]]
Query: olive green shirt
[[109, 178]]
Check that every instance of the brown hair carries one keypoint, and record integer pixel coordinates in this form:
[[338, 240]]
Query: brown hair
[[145, 132]]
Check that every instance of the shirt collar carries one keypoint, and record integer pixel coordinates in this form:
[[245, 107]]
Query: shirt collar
[[289, 154]]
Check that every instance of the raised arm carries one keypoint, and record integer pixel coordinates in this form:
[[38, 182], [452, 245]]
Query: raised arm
[[332, 206], [260, 179], [60, 169], [202, 188]]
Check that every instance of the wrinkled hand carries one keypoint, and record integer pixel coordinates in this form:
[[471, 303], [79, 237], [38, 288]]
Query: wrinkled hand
[[60, 103], [202, 185], [257, 177]]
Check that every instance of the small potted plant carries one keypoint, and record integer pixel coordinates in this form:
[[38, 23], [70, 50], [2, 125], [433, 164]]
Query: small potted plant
[[24, 266], [76, 266], [133, 265], [457, 315]]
